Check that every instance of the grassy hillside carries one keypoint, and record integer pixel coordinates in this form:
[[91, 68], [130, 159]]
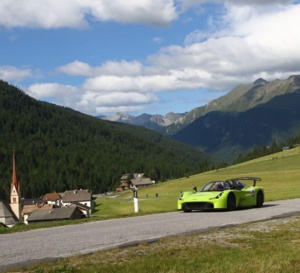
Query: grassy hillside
[[280, 175]]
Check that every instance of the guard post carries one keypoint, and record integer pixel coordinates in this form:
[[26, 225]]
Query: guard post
[[135, 199]]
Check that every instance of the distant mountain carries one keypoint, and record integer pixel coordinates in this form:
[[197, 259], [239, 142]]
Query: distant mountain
[[58, 148], [241, 98], [250, 114], [153, 122], [226, 134]]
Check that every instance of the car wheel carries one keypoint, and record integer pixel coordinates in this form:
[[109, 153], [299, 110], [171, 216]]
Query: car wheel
[[259, 199], [231, 203], [185, 208]]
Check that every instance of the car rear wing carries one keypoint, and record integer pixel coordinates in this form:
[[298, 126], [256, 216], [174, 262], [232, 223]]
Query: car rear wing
[[254, 179]]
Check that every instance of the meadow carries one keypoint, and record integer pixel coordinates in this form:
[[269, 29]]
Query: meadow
[[267, 246], [280, 174]]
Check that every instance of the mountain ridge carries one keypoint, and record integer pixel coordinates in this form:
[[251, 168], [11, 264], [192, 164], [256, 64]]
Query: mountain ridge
[[227, 134], [240, 98]]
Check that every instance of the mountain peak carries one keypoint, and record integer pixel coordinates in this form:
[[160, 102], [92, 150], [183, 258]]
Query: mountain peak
[[259, 81]]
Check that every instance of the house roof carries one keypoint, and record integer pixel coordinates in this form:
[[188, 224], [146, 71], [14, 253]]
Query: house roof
[[33, 201], [141, 181], [138, 175], [7, 214], [30, 208], [53, 196], [125, 176], [77, 195], [81, 206], [52, 214]]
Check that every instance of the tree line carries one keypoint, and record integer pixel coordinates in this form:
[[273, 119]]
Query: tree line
[[275, 147]]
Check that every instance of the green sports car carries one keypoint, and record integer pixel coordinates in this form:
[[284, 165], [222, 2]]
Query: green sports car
[[224, 194]]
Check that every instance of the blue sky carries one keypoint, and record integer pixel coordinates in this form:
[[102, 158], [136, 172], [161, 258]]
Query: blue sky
[[145, 56]]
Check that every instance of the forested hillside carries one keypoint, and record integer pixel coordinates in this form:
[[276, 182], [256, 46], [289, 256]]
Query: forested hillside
[[228, 134], [58, 148]]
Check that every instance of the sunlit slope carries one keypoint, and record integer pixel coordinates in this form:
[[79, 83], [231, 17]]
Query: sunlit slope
[[280, 175]]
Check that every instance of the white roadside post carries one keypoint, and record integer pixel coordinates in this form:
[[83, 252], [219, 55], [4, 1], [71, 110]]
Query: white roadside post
[[135, 199]]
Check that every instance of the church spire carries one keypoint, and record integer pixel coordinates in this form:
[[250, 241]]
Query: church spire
[[15, 193], [15, 181]]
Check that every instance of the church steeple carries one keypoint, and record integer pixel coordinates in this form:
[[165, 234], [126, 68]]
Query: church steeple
[[15, 182], [15, 193]]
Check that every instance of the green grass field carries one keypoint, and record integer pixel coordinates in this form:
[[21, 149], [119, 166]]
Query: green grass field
[[280, 175]]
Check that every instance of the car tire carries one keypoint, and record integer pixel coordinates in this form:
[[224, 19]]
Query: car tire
[[185, 208], [259, 199], [231, 202]]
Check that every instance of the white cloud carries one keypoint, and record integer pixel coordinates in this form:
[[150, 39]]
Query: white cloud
[[95, 102], [151, 83], [75, 13], [102, 110], [65, 95], [252, 42], [116, 98], [122, 68], [89, 101], [267, 43], [153, 12], [76, 68], [10, 73], [258, 2], [42, 14]]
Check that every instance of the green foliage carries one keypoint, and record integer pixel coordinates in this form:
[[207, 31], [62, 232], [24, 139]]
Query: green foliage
[[260, 151], [59, 149]]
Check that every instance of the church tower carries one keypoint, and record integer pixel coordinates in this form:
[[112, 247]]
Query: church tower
[[15, 193]]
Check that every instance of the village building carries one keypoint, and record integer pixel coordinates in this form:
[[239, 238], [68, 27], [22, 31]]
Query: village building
[[81, 198], [7, 216], [28, 209], [55, 214], [140, 180], [52, 206], [124, 182], [53, 198], [11, 213], [136, 180]]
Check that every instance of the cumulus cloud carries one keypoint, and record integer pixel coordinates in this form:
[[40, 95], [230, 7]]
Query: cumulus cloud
[[258, 2], [90, 101], [112, 102], [266, 43], [78, 68], [116, 98], [65, 95], [75, 13], [153, 12], [253, 41], [10, 73], [42, 14]]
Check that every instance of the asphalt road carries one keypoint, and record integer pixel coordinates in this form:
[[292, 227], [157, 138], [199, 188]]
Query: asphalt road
[[27, 247]]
